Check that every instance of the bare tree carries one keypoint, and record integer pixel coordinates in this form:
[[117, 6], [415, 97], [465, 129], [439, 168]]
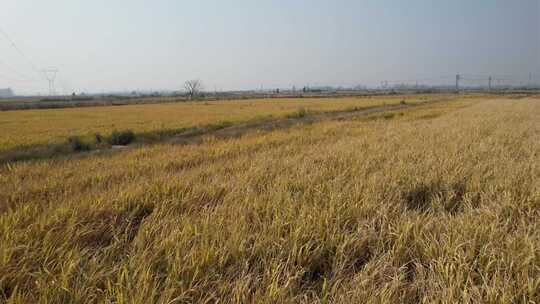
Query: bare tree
[[193, 87]]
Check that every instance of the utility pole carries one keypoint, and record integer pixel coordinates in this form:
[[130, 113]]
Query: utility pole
[[50, 75], [457, 83]]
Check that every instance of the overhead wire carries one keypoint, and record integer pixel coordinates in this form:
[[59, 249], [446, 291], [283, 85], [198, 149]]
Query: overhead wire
[[19, 51], [15, 72]]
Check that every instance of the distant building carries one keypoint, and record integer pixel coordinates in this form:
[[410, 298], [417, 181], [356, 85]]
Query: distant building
[[5, 93]]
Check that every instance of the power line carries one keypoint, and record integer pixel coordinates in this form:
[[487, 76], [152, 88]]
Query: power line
[[12, 43], [11, 79], [65, 87], [14, 71], [49, 74]]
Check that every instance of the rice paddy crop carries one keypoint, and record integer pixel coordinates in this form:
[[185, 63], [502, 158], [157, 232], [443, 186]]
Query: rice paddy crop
[[20, 129], [436, 204]]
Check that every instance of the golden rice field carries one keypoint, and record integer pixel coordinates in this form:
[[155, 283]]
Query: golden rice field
[[435, 204], [35, 127]]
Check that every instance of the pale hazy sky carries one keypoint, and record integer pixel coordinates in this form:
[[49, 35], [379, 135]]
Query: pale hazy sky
[[102, 45]]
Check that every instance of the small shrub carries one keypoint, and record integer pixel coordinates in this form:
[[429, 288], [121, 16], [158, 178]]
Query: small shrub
[[220, 125], [403, 102], [122, 138], [298, 114], [77, 144], [388, 116], [353, 109]]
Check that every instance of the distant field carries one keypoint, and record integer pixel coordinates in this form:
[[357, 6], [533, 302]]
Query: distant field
[[438, 203], [31, 127]]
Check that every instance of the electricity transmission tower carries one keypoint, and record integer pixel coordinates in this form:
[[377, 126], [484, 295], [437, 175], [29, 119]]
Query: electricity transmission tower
[[458, 77], [51, 74]]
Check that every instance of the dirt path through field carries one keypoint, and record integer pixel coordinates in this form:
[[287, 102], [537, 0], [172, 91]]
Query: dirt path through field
[[195, 135], [237, 130]]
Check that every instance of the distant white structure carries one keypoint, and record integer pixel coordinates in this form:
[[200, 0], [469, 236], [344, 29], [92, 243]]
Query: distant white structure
[[5, 93]]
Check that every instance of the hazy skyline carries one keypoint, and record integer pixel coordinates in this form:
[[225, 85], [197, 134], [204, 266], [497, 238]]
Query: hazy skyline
[[126, 45]]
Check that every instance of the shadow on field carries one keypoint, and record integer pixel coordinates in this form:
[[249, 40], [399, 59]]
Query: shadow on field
[[122, 225], [432, 197], [319, 264]]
